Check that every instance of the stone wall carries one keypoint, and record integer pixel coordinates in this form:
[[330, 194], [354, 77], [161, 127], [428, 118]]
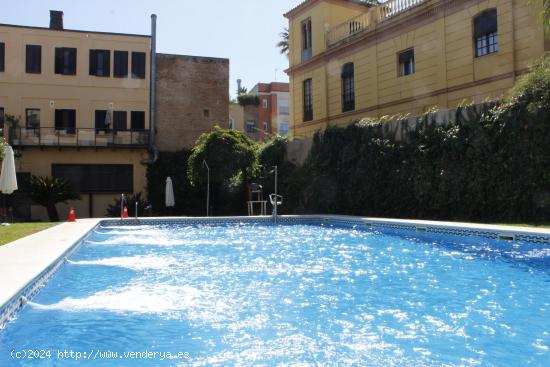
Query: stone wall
[[192, 97]]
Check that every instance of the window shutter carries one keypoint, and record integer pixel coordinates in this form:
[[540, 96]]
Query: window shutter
[[72, 61], [2, 56], [107, 63], [93, 62], [485, 23], [59, 60], [28, 63]]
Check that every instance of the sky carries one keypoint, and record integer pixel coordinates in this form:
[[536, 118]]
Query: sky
[[244, 31]]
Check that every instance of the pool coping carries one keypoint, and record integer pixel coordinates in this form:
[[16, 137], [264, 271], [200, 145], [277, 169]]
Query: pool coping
[[27, 263]]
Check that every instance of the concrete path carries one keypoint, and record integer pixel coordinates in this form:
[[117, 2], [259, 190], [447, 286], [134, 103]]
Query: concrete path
[[24, 259]]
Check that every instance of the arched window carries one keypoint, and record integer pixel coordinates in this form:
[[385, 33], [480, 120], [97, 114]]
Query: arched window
[[486, 33], [348, 88]]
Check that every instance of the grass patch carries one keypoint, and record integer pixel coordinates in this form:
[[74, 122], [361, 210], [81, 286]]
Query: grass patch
[[19, 230]]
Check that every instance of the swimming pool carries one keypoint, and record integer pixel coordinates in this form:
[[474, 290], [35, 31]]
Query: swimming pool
[[302, 294]]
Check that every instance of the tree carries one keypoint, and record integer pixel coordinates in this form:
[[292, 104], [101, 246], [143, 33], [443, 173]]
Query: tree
[[48, 191], [283, 44], [543, 8], [230, 154]]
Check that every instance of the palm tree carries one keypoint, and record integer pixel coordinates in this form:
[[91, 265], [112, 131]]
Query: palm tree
[[283, 43], [48, 191]]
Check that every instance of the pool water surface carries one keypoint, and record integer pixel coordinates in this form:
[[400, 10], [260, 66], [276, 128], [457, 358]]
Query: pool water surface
[[266, 295]]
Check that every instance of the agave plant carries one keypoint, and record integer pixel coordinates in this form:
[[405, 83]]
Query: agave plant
[[48, 191]]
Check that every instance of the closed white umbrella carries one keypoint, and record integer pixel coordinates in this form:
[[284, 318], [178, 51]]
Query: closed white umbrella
[[8, 179], [170, 201]]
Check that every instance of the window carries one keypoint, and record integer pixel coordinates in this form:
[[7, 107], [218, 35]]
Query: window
[[102, 121], [306, 40], [308, 102], [486, 33], [34, 59], [32, 118], [264, 103], [2, 56], [251, 126], [406, 62], [266, 126], [119, 120], [348, 88], [206, 113], [121, 64], [100, 62], [138, 65], [65, 60], [89, 178], [65, 120], [137, 120], [283, 128]]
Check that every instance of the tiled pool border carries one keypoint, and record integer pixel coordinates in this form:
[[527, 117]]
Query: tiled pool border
[[9, 309]]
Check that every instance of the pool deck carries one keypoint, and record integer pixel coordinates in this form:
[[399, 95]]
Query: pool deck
[[23, 262]]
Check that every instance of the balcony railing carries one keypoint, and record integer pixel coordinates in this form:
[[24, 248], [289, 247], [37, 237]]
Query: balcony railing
[[362, 23], [348, 29], [80, 137], [392, 8]]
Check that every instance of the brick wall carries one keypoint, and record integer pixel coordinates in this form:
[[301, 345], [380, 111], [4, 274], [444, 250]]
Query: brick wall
[[192, 97]]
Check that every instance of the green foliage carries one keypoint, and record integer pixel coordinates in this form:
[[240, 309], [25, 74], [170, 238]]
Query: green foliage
[[230, 154], [48, 191], [189, 199], [248, 99], [491, 164], [113, 210], [3, 145], [283, 44]]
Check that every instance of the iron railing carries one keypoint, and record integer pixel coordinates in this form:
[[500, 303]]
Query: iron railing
[[79, 137], [392, 8], [348, 29]]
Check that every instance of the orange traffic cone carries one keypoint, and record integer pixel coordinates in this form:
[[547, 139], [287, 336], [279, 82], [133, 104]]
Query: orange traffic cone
[[72, 216], [125, 212]]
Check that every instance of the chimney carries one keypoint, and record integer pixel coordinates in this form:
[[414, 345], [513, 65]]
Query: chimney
[[56, 20]]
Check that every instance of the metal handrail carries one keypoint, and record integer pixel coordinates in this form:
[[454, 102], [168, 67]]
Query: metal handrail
[[392, 8], [80, 137]]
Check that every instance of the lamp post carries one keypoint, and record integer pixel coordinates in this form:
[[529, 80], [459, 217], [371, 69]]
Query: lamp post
[[207, 187]]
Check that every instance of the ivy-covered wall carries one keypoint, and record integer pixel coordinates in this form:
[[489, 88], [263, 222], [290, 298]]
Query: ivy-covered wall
[[491, 164]]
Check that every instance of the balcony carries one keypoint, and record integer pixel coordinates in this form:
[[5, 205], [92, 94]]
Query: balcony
[[348, 30], [392, 8], [79, 138], [362, 23]]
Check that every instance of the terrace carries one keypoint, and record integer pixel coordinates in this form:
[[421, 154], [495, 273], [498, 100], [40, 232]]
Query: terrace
[[362, 23], [79, 137]]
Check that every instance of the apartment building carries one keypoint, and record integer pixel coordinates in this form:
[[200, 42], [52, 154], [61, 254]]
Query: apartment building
[[270, 117], [351, 59], [87, 104]]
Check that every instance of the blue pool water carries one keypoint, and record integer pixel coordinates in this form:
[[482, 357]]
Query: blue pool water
[[263, 295]]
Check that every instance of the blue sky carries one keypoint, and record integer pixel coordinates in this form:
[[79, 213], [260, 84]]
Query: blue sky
[[245, 31]]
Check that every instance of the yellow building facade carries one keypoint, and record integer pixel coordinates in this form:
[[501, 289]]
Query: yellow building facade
[[353, 59], [82, 102]]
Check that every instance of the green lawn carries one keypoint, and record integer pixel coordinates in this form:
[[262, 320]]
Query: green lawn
[[18, 230]]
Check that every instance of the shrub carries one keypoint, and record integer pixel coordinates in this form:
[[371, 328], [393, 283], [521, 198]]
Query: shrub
[[248, 99], [113, 210], [48, 191]]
